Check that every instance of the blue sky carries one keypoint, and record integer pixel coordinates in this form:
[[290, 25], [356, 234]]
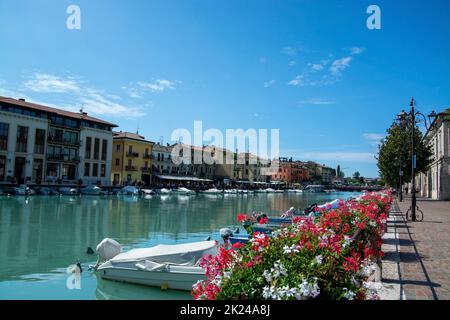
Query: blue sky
[[309, 68]]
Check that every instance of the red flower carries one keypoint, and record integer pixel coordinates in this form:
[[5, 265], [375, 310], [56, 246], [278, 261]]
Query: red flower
[[242, 217], [263, 220]]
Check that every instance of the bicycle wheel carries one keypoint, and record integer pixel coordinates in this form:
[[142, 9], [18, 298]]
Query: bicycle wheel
[[408, 214], [419, 215]]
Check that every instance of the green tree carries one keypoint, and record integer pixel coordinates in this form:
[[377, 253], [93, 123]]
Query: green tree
[[356, 175], [394, 154]]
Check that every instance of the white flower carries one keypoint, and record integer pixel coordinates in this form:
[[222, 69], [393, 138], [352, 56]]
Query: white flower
[[291, 249], [319, 259], [267, 276], [349, 295]]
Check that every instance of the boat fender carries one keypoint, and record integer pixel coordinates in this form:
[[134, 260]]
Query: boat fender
[[90, 251], [208, 238], [107, 249]]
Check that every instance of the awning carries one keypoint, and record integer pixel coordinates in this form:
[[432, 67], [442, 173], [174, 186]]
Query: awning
[[181, 178]]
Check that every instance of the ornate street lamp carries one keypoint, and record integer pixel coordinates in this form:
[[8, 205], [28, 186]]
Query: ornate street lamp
[[410, 118]]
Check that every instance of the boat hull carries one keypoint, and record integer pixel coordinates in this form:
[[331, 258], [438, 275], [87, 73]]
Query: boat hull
[[162, 279]]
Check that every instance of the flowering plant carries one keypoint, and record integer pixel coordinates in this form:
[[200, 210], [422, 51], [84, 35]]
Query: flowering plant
[[326, 257]]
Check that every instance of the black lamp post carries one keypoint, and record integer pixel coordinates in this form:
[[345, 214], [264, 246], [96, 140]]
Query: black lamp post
[[410, 118]]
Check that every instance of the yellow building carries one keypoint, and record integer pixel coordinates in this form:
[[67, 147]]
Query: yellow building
[[132, 158]]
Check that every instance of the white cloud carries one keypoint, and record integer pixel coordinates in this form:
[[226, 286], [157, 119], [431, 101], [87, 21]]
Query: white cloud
[[340, 65], [290, 51], [269, 83], [48, 83], [68, 89], [133, 92], [292, 63], [373, 138], [356, 50], [317, 101], [298, 81], [158, 85]]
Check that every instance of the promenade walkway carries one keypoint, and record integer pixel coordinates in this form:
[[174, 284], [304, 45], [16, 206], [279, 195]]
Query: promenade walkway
[[417, 254]]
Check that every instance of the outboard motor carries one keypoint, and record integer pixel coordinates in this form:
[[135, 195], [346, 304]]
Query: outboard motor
[[310, 208], [226, 233], [106, 250]]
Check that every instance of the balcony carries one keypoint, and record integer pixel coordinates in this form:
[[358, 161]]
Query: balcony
[[130, 168], [53, 140], [147, 156], [146, 169], [133, 154], [64, 158]]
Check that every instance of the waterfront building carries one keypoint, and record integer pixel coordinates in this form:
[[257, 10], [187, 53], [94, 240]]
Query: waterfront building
[[435, 183], [41, 144], [132, 158], [291, 172], [162, 160]]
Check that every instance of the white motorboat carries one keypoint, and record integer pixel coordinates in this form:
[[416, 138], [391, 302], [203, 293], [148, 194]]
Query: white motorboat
[[129, 191], [165, 266], [147, 192], [298, 191], [184, 191], [212, 191], [231, 191], [22, 190], [270, 190], [68, 191], [260, 191], [278, 191], [165, 191], [91, 190]]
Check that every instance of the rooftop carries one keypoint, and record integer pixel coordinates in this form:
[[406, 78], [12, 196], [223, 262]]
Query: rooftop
[[34, 106]]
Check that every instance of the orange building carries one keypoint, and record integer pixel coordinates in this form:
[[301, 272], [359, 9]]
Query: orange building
[[291, 172]]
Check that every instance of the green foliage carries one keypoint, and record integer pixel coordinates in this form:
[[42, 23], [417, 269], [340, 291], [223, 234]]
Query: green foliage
[[395, 154]]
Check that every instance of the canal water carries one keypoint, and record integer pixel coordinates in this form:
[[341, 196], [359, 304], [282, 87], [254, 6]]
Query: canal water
[[41, 236]]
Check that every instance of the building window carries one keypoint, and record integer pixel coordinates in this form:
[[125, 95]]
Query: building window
[[2, 167], [96, 148], [22, 139], [117, 147], [88, 148], [52, 170], [95, 170], [87, 167], [4, 129], [117, 162], [130, 149], [103, 170], [104, 149], [39, 142]]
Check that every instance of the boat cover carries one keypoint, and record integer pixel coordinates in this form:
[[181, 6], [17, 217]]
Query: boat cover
[[187, 253]]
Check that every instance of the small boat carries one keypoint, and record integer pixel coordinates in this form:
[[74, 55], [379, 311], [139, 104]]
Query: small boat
[[165, 191], [184, 191], [231, 191], [68, 191], [23, 190], [91, 190], [147, 192], [212, 191], [298, 190], [129, 191], [314, 188], [45, 191], [165, 266], [260, 191], [279, 191]]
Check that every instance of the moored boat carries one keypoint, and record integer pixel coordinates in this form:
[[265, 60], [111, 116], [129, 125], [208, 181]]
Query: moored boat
[[91, 190], [212, 191], [165, 266], [68, 191], [184, 191]]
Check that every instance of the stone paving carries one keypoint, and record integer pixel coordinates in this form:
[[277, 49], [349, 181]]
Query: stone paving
[[416, 265]]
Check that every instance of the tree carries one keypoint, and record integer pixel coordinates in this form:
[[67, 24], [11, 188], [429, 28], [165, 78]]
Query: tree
[[394, 154], [356, 175], [338, 171]]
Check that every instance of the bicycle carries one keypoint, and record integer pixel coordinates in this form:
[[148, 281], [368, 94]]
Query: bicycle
[[419, 214]]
